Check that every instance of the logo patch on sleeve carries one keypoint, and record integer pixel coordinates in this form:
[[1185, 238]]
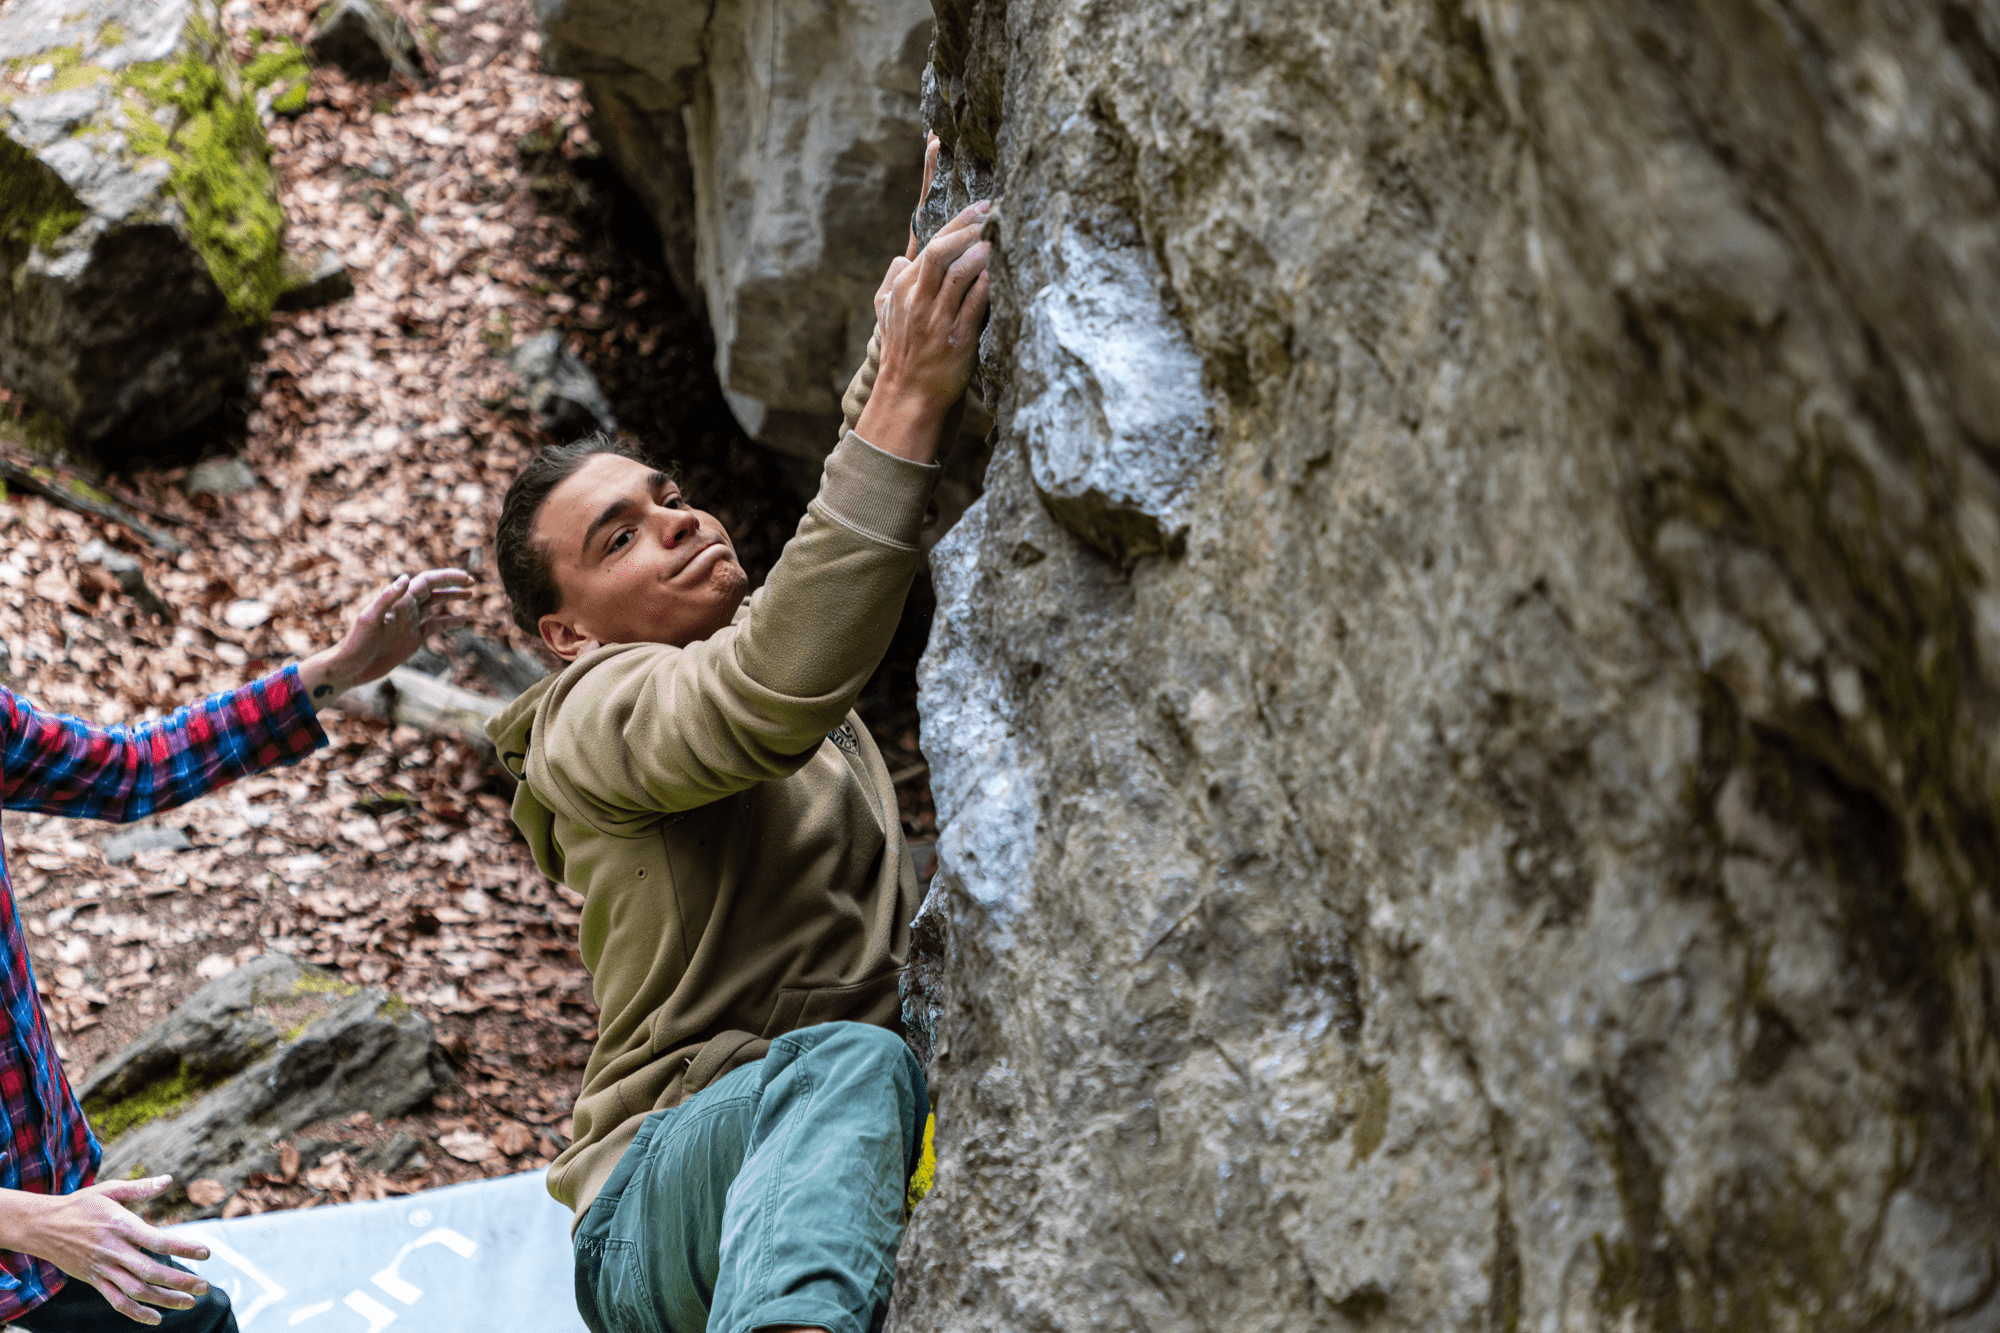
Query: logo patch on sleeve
[[843, 736]]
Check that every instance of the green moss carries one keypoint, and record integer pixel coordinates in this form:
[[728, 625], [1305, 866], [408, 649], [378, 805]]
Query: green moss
[[37, 208], [925, 1175], [314, 984], [195, 112], [35, 430], [158, 1100], [64, 58], [74, 486], [53, 226], [78, 76], [284, 68], [110, 35], [69, 68], [395, 1009], [1372, 1125]]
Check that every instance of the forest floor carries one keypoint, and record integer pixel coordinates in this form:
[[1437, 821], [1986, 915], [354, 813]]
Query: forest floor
[[382, 433]]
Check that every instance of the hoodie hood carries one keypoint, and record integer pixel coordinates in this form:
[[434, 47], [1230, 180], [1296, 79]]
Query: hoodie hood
[[519, 733], [512, 732]]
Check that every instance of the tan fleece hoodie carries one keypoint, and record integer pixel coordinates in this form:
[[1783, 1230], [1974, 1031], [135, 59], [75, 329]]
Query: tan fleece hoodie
[[727, 817]]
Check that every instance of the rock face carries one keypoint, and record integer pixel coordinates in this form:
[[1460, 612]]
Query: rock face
[[140, 234], [365, 41], [1465, 720], [778, 148], [563, 395], [250, 1058]]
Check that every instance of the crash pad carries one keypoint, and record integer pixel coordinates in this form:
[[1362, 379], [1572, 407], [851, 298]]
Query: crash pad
[[492, 1256]]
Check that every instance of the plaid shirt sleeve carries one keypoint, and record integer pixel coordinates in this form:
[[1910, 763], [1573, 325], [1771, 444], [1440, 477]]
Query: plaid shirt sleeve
[[61, 765]]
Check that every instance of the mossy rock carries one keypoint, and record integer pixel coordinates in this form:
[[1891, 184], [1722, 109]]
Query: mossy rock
[[139, 219], [248, 1059]]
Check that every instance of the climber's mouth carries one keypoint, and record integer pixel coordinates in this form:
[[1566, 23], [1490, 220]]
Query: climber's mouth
[[703, 559]]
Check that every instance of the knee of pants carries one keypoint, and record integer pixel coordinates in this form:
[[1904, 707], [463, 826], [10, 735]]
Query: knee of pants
[[211, 1314], [868, 1046]]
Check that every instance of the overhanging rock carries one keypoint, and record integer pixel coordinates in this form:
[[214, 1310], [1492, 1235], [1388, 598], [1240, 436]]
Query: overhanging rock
[[778, 148], [140, 234]]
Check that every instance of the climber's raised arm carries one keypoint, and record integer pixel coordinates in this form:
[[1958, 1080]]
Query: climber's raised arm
[[677, 700]]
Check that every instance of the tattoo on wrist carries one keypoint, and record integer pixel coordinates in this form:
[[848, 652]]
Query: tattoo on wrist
[[320, 692]]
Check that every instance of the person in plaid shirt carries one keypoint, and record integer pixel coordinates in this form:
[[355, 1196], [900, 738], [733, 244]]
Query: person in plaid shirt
[[55, 1224]]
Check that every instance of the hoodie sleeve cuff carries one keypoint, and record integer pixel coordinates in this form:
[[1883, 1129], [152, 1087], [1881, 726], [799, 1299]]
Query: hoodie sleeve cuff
[[877, 493]]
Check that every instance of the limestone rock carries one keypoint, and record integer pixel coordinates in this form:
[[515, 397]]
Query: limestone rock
[[1109, 406], [324, 280], [250, 1058], [563, 395], [365, 41], [225, 475], [1523, 856], [778, 148], [130, 841], [129, 576], [140, 234]]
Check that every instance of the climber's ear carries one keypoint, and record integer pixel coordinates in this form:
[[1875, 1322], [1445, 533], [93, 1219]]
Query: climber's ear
[[565, 637]]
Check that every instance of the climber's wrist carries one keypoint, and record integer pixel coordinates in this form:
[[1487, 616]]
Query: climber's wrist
[[905, 422]]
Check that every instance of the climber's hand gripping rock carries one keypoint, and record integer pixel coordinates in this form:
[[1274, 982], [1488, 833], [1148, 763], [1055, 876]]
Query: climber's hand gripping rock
[[928, 311]]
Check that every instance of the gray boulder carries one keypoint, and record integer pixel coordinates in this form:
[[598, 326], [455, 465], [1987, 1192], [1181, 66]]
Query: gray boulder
[[130, 577], [778, 148], [324, 280], [249, 1059], [1465, 723], [140, 234], [225, 475], [563, 395], [365, 41]]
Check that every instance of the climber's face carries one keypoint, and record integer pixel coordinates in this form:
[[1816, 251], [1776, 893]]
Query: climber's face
[[634, 561]]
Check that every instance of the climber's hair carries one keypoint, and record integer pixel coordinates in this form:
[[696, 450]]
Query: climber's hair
[[525, 574]]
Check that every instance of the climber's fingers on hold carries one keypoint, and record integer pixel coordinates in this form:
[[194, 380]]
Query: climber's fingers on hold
[[973, 313], [957, 236], [958, 279], [897, 267], [939, 256]]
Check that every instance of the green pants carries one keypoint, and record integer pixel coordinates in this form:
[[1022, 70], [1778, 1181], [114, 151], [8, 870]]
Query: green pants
[[772, 1197]]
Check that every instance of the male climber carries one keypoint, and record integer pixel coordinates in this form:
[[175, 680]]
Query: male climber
[[750, 1114]]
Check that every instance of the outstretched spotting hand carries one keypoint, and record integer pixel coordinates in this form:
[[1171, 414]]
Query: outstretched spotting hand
[[91, 1236], [393, 625], [928, 313]]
